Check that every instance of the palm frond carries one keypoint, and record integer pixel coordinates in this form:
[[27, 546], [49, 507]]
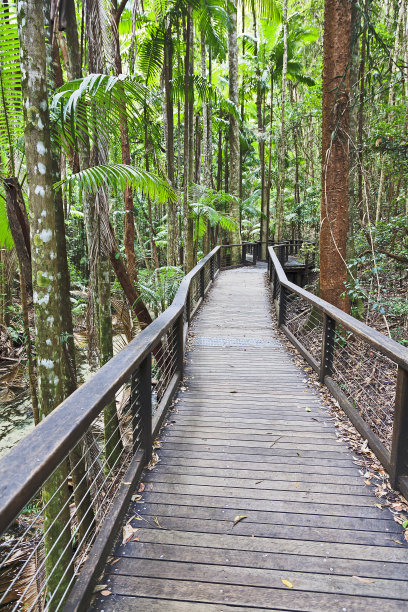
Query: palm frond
[[119, 177], [6, 240], [11, 105]]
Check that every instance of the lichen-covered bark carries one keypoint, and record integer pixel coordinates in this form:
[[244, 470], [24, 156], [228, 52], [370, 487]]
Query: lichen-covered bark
[[46, 296], [234, 156], [335, 152]]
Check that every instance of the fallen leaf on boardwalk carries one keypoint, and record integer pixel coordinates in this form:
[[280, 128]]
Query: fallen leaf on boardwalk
[[237, 519], [156, 520], [287, 583], [141, 487], [115, 561], [296, 484], [298, 454], [99, 587], [259, 482], [134, 540], [233, 391], [136, 497], [157, 443], [366, 580], [128, 532], [183, 388], [379, 506], [106, 593], [398, 541], [153, 462], [308, 409]]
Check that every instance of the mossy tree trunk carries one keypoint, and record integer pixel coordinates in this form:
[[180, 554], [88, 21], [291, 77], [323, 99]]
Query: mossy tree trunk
[[46, 294]]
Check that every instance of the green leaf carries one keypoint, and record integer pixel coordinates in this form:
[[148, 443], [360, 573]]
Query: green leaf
[[120, 177]]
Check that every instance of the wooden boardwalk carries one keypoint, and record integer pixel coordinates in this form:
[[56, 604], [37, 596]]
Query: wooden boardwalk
[[249, 438]]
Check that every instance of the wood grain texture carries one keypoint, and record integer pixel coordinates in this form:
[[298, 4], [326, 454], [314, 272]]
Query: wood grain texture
[[249, 438]]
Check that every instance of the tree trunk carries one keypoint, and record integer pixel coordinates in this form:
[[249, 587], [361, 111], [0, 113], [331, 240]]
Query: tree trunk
[[172, 233], [280, 203], [46, 295], [335, 149], [187, 219], [234, 156]]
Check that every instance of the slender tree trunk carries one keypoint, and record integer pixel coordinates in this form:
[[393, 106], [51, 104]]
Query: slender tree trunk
[[46, 294], [335, 152], [187, 219], [234, 154], [282, 143], [172, 233]]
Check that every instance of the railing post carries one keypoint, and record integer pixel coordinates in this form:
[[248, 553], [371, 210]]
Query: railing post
[[135, 408], [280, 254], [188, 310], [212, 268], [399, 447], [179, 335], [326, 364], [255, 253], [282, 306], [202, 288], [145, 399], [219, 259], [244, 246]]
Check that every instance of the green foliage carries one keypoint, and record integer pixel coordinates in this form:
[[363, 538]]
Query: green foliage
[[119, 177]]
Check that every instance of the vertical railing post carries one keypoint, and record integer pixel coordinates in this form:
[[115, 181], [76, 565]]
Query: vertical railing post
[[280, 254], [255, 253], [219, 259], [244, 246], [399, 447], [202, 288], [212, 268], [179, 336], [136, 409], [282, 306], [326, 364], [145, 399], [188, 308]]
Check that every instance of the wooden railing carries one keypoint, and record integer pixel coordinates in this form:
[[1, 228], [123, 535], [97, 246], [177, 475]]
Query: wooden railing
[[101, 437], [365, 371]]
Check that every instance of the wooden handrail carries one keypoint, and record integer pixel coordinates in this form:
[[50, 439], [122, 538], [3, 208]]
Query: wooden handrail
[[385, 345]]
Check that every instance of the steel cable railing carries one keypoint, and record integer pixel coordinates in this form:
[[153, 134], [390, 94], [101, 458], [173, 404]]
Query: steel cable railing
[[365, 371]]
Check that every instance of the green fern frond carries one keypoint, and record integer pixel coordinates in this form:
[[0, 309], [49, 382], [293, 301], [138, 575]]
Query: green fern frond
[[119, 177]]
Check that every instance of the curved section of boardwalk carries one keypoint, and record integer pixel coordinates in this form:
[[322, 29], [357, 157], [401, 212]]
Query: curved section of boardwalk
[[249, 439]]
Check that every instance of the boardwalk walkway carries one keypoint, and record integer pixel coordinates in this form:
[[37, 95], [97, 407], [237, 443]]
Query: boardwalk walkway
[[249, 438]]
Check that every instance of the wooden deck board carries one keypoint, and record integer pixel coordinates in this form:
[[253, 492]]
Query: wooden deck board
[[249, 437]]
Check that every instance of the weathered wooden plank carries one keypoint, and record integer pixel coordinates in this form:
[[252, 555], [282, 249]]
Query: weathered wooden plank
[[269, 598], [276, 560], [147, 604], [248, 503], [151, 508], [258, 577], [254, 484], [316, 534], [248, 475], [235, 541]]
